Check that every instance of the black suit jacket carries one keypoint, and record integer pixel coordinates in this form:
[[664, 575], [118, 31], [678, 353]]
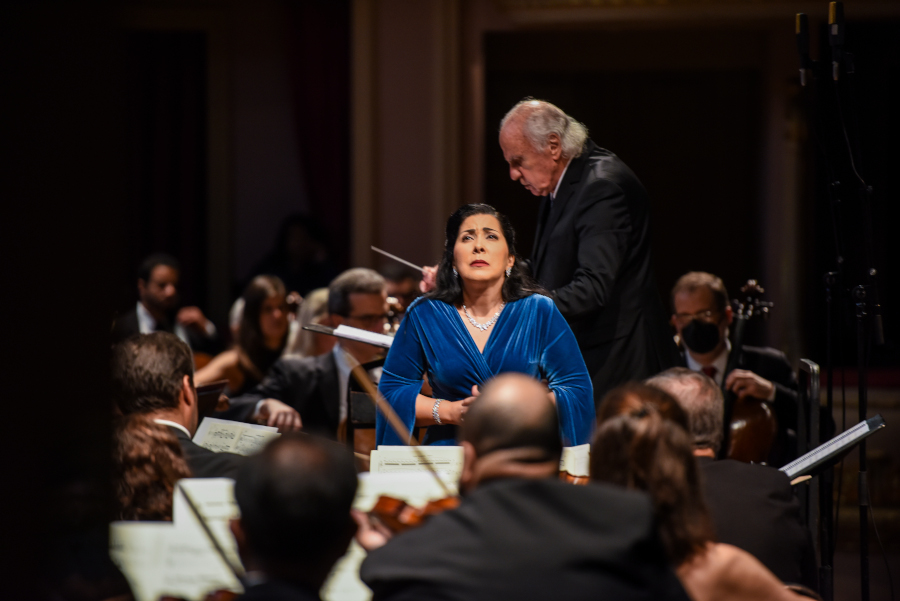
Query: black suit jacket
[[774, 366], [309, 385], [277, 590], [753, 507], [592, 251], [529, 539], [127, 325], [205, 463]]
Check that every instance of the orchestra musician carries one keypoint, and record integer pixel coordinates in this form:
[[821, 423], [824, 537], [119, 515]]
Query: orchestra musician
[[520, 532], [485, 316], [701, 314], [642, 443], [261, 338], [752, 506]]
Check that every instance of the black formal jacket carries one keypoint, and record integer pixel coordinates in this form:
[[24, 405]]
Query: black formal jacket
[[529, 539], [277, 590], [774, 366], [309, 385], [205, 463], [592, 251], [127, 325], [753, 507]]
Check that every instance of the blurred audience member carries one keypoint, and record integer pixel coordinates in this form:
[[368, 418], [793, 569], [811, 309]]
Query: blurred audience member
[[640, 449], [300, 256], [295, 498], [313, 310], [157, 308], [147, 462], [317, 386], [753, 506], [402, 283], [262, 335]]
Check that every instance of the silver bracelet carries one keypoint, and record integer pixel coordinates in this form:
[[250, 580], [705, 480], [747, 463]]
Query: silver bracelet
[[434, 411]]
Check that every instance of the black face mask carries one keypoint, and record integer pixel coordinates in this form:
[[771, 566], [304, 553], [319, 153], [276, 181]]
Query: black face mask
[[700, 336]]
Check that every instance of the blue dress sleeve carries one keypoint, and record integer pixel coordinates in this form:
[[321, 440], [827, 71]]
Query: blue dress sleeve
[[401, 380], [563, 366]]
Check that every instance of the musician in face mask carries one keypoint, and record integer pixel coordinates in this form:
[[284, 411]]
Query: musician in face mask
[[701, 316]]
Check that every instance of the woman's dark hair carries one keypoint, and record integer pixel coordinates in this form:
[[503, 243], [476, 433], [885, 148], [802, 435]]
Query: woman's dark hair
[[147, 462], [640, 449], [251, 342], [448, 288]]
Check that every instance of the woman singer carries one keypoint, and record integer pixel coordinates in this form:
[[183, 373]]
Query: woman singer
[[484, 317]]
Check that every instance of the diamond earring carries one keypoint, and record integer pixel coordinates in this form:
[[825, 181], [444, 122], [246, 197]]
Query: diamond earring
[[455, 273], [508, 271]]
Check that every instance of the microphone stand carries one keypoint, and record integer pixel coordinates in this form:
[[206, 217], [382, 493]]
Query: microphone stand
[[864, 296]]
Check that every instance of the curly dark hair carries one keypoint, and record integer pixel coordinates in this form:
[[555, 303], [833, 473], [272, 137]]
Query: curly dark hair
[[447, 288], [147, 462]]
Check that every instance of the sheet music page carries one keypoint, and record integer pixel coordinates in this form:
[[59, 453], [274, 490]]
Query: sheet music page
[[382, 340], [214, 499], [160, 558], [222, 435], [576, 460], [416, 488], [390, 459]]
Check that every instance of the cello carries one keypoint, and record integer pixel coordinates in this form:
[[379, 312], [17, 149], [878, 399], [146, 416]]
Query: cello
[[750, 426]]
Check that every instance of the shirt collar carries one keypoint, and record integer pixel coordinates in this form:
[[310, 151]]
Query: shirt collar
[[146, 322], [166, 422], [720, 362], [561, 176]]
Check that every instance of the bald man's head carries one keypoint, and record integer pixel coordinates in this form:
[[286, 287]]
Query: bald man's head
[[513, 411]]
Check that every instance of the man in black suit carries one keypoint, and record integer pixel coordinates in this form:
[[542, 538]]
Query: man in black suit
[[592, 248], [701, 314], [153, 374], [157, 308], [295, 498], [317, 386], [752, 506], [521, 533]]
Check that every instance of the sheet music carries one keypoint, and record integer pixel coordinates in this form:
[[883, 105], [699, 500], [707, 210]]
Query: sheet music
[[444, 459], [222, 435], [382, 340], [214, 499], [160, 558], [416, 488], [576, 460], [835, 446]]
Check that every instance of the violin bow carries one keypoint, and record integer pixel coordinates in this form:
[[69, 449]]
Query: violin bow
[[381, 404], [234, 570]]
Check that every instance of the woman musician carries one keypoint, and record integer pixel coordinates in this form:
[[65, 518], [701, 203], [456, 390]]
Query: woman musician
[[484, 317]]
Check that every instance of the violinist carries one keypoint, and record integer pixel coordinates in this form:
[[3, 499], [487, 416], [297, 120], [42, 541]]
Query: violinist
[[701, 314], [294, 498], [752, 506], [484, 317], [520, 532]]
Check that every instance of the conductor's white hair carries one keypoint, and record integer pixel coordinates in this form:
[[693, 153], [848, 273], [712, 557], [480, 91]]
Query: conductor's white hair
[[540, 119]]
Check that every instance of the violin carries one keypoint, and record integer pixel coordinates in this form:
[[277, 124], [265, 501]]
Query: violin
[[750, 424], [399, 516]]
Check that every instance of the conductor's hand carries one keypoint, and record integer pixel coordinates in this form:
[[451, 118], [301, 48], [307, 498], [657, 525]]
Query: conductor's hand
[[747, 384], [369, 535], [429, 279], [274, 413]]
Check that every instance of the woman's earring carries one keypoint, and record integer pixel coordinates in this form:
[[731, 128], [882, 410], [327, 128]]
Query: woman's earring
[[508, 271], [455, 273]]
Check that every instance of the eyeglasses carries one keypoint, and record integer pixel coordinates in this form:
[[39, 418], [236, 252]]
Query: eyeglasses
[[709, 316], [370, 320]]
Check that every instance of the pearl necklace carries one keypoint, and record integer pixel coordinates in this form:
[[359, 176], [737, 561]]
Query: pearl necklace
[[488, 323]]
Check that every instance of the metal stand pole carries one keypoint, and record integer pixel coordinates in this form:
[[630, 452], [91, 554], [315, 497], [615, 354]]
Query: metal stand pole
[[859, 294]]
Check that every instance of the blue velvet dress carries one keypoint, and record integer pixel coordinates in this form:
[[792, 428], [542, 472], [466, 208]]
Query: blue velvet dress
[[529, 337]]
